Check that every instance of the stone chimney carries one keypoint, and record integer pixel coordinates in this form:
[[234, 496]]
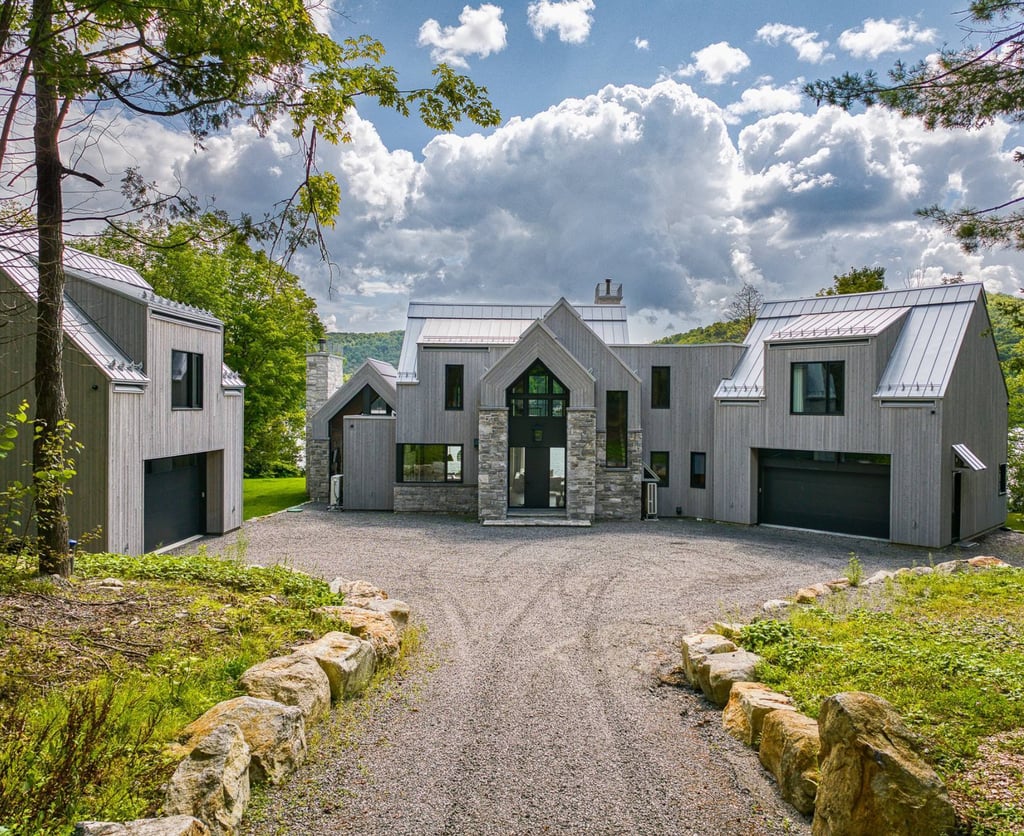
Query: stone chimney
[[608, 293], [324, 376]]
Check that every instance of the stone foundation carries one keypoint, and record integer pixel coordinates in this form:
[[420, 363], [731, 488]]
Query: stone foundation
[[440, 499], [318, 483], [617, 491]]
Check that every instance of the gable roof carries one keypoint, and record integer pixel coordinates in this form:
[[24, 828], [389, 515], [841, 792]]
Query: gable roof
[[934, 320], [18, 260], [479, 326], [380, 376]]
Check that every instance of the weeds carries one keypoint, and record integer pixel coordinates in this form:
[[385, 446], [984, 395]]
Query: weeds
[[854, 571]]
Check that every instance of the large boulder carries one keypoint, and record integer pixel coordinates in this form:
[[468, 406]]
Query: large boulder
[[872, 778], [170, 826], [398, 610], [697, 647], [275, 733], [356, 592], [295, 679], [348, 661], [376, 627], [212, 782], [719, 671], [749, 703], [789, 751]]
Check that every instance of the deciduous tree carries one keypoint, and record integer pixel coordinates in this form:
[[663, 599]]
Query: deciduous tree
[[205, 64], [857, 280], [745, 306]]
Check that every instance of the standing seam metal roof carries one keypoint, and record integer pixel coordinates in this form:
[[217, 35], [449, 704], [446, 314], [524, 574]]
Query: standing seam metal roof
[[921, 361]]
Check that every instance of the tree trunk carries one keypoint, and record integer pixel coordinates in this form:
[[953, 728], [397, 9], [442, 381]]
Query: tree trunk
[[51, 403]]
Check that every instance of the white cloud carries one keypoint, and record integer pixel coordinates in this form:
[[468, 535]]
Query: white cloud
[[807, 44], [716, 62], [570, 18], [480, 32], [642, 184], [876, 37], [641, 43], [764, 100]]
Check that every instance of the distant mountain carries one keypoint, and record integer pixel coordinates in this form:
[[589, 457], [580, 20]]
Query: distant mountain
[[716, 332], [357, 347]]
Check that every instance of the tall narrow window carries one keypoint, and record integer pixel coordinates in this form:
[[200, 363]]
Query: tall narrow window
[[453, 387], [698, 470], [661, 386], [1002, 479], [659, 464], [817, 388], [186, 380], [616, 418]]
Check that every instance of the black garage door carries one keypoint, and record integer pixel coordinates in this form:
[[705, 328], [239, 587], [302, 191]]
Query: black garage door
[[842, 492], [175, 499]]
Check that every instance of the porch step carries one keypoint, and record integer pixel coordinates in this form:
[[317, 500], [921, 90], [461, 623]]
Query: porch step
[[539, 521]]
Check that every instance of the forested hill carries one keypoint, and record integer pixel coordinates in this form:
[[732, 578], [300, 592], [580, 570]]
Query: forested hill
[[716, 332], [357, 347]]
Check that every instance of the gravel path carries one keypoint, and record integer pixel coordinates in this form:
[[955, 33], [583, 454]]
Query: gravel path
[[535, 707]]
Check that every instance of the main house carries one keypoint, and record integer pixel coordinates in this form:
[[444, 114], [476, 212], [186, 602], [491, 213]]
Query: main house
[[158, 412], [878, 414]]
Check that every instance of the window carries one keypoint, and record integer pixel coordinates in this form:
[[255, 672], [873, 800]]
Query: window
[[659, 464], [698, 470], [538, 394], [430, 462], [661, 386], [817, 388], [616, 411], [186, 380], [1002, 480], [453, 387]]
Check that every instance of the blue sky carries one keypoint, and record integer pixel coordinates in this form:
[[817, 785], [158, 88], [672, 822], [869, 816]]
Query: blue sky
[[664, 145]]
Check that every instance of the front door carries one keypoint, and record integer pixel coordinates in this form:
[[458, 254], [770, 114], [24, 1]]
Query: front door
[[538, 403]]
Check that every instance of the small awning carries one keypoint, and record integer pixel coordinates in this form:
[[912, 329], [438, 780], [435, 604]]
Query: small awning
[[966, 458]]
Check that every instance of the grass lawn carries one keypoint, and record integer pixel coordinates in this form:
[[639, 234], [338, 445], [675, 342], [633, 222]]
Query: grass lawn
[[1015, 521], [265, 496], [947, 651]]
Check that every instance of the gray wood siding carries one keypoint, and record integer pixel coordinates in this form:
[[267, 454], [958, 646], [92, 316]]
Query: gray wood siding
[[608, 368], [421, 416], [126, 473], [688, 425], [122, 319], [370, 459], [976, 415]]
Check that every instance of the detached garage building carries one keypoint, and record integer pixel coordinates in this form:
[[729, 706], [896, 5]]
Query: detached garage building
[[158, 412], [878, 414]]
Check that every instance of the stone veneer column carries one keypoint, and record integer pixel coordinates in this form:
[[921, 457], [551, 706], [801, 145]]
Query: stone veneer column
[[581, 463], [492, 476], [618, 490], [324, 376]]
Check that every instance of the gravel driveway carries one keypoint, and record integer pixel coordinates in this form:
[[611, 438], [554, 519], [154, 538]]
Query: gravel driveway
[[535, 707]]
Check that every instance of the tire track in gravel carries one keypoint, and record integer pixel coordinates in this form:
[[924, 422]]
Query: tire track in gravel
[[532, 708]]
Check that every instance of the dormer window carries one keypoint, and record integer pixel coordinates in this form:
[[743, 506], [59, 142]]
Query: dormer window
[[817, 388]]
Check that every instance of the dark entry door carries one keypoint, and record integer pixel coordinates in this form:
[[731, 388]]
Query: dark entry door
[[958, 491], [537, 477], [175, 499]]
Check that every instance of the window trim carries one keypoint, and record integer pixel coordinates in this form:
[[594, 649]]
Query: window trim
[[448, 476], [193, 381], [837, 400], [454, 389], [662, 483], [665, 390], [698, 479]]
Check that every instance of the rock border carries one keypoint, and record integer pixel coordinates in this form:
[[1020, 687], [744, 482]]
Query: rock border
[[856, 769], [261, 737]]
